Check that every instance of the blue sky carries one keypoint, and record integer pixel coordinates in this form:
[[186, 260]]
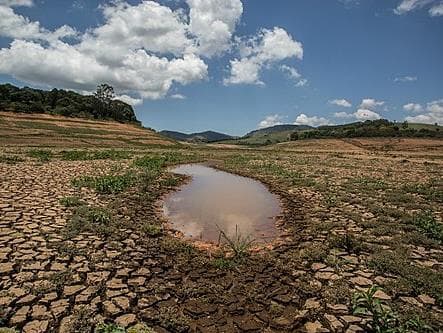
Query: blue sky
[[326, 61]]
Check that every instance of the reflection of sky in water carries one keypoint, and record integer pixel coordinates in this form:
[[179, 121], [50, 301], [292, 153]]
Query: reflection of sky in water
[[215, 198]]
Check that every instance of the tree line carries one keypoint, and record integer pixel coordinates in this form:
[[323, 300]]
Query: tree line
[[101, 105], [370, 128]]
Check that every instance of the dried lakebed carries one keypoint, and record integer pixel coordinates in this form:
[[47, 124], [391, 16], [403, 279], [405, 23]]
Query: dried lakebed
[[215, 201]]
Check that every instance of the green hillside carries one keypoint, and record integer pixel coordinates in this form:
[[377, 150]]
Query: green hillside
[[102, 105]]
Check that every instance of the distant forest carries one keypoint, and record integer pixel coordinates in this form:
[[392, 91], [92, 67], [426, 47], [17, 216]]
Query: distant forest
[[371, 128], [101, 105]]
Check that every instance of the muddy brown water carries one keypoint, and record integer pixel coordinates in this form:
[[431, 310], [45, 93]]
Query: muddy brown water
[[215, 199]]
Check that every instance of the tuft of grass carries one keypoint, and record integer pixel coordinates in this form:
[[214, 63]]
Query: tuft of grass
[[109, 328], [81, 321], [140, 328], [411, 279], [151, 162], [107, 184], [176, 246], [41, 155], [60, 279], [222, 263], [90, 219], [10, 159], [239, 245], [426, 223], [347, 242], [147, 178], [170, 181], [151, 230], [73, 201]]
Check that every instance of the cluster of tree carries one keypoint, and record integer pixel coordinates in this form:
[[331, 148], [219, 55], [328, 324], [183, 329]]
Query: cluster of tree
[[369, 128], [101, 105]]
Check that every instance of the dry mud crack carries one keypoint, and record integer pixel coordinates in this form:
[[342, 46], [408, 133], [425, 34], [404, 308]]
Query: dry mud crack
[[46, 280]]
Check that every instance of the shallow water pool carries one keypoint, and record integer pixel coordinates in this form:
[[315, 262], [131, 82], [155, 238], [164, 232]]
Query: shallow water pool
[[216, 200]]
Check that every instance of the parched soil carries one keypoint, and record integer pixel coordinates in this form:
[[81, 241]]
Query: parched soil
[[351, 221], [21, 129]]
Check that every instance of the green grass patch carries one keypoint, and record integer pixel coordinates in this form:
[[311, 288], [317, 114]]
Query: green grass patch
[[41, 155], [108, 184], [411, 279], [71, 201], [426, 223], [152, 230], [91, 219]]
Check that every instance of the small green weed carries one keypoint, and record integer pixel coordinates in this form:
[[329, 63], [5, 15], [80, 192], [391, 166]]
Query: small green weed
[[109, 328], [427, 224], [239, 245], [151, 230], [382, 319], [71, 201]]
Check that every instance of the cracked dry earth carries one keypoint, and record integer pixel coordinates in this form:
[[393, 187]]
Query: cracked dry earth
[[45, 280]]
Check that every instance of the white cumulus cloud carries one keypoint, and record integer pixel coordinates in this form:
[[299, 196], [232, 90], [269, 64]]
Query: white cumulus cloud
[[370, 103], [405, 79], [433, 113], [436, 10], [413, 107], [271, 120], [264, 49], [343, 115], [364, 114], [178, 96], [13, 3], [303, 119], [214, 22], [129, 100], [340, 102], [405, 6]]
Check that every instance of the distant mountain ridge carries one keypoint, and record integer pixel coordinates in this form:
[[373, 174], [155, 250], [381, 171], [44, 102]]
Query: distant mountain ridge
[[278, 128], [207, 136]]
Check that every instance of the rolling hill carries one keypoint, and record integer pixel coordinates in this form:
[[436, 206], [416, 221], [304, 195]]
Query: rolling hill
[[207, 136]]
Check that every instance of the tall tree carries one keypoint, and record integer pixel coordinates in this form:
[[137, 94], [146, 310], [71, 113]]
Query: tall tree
[[104, 96]]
